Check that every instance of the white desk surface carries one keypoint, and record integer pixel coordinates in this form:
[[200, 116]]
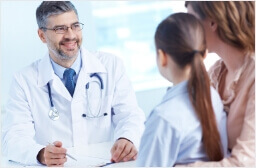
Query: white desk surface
[[91, 155]]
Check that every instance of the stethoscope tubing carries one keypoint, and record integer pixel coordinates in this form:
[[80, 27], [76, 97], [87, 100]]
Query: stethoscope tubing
[[90, 114], [99, 78], [89, 108], [50, 94]]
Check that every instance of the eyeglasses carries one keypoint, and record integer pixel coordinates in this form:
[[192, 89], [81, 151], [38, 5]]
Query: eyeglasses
[[63, 29]]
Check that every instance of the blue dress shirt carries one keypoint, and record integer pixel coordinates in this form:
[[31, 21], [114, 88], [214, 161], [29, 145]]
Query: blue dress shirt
[[173, 132], [59, 70]]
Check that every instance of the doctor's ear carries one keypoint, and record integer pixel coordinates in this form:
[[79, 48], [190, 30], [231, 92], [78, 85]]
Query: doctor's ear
[[41, 35], [162, 57]]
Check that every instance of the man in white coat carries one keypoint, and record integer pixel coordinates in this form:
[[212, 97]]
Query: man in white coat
[[70, 97]]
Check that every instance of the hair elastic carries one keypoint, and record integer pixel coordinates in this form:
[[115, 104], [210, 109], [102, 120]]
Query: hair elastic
[[196, 52]]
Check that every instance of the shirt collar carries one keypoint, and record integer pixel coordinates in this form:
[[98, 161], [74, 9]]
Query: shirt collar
[[59, 70], [89, 62], [180, 88]]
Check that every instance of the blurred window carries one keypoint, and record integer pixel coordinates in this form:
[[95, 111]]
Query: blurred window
[[126, 29]]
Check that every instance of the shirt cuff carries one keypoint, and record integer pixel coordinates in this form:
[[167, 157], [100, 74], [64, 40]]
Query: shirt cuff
[[130, 137], [32, 157], [125, 139]]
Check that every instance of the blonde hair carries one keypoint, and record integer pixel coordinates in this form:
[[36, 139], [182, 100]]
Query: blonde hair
[[235, 20]]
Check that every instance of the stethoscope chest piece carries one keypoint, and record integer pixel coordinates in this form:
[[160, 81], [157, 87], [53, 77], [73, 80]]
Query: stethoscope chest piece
[[54, 114]]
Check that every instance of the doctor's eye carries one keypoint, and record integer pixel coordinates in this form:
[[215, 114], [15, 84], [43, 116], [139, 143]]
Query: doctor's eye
[[77, 26], [60, 29]]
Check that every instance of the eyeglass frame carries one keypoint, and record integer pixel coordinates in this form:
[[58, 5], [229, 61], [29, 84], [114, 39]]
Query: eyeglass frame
[[65, 28]]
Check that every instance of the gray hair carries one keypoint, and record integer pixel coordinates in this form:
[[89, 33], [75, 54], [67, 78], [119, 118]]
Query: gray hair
[[50, 8]]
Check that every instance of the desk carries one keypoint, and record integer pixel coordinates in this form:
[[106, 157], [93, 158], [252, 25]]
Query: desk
[[89, 155]]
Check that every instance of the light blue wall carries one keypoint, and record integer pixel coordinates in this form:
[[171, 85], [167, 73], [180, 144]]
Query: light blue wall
[[20, 44], [148, 99]]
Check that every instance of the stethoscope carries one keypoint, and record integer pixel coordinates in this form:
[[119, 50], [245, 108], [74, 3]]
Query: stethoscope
[[89, 108], [54, 114]]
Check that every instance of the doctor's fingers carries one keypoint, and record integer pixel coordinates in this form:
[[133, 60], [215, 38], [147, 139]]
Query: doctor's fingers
[[116, 150], [55, 162], [54, 149], [135, 157], [128, 148], [128, 153], [58, 143], [125, 152], [56, 155], [132, 155]]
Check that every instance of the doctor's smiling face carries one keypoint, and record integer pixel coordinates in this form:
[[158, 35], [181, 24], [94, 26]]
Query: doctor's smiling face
[[64, 46]]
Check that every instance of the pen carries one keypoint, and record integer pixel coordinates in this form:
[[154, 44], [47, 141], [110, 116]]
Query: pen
[[66, 153], [106, 164]]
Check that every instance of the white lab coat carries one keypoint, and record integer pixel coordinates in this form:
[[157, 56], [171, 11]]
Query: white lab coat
[[27, 127]]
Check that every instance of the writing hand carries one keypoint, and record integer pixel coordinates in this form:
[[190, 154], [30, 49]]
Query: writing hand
[[52, 155]]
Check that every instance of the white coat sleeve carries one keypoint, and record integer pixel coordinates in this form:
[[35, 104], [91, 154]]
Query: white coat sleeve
[[160, 143], [128, 118], [18, 127]]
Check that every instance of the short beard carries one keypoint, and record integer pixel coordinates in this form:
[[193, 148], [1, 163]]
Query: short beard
[[61, 55]]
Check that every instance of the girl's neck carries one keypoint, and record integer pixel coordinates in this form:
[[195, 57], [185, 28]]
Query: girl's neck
[[181, 76]]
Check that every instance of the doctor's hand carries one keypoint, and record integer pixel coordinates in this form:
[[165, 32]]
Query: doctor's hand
[[52, 155], [123, 150]]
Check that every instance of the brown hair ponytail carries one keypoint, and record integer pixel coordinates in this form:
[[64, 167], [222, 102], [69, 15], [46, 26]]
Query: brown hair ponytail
[[182, 37], [200, 96]]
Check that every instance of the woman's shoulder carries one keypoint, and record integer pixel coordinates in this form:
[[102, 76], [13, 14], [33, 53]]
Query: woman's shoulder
[[249, 69], [246, 81]]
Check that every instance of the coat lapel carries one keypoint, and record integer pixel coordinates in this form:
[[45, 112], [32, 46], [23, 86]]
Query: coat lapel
[[90, 64], [46, 74]]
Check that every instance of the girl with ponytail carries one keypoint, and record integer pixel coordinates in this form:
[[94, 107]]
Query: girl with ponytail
[[189, 124]]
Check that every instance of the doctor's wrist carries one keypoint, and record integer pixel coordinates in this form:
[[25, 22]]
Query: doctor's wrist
[[40, 156]]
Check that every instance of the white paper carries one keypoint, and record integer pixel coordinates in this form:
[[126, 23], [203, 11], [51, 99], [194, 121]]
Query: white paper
[[85, 162]]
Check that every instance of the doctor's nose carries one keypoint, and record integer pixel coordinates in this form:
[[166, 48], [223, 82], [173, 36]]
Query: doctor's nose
[[70, 34]]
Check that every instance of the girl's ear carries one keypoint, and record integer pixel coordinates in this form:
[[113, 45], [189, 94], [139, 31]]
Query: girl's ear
[[41, 35], [162, 56]]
